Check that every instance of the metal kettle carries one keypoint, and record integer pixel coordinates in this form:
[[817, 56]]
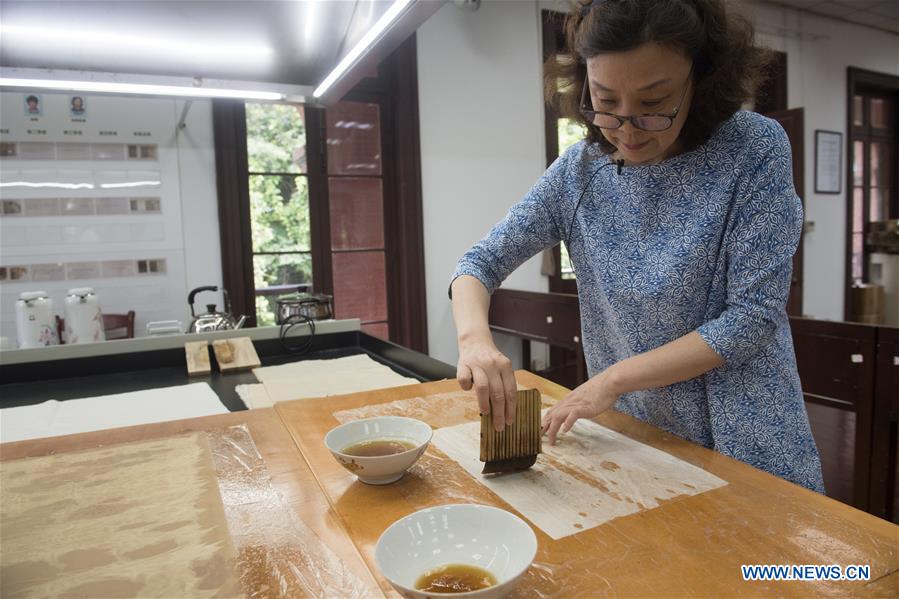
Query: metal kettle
[[211, 320]]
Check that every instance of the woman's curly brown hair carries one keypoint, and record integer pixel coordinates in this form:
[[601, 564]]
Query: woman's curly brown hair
[[728, 67]]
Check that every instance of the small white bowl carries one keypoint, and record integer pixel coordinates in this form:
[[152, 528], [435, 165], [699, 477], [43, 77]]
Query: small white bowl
[[379, 470], [469, 534]]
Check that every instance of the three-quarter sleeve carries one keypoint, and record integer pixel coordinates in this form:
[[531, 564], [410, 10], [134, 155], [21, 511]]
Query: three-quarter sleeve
[[529, 226], [760, 247]]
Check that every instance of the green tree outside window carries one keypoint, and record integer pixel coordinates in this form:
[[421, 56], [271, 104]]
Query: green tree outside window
[[570, 132], [279, 202]]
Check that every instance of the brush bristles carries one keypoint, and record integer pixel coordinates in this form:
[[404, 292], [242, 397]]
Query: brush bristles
[[522, 438]]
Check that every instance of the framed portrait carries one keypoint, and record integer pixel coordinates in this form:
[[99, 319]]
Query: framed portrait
[[78, 106], [34, 105]]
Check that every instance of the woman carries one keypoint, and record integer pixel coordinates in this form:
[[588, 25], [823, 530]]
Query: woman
[[680, 218]]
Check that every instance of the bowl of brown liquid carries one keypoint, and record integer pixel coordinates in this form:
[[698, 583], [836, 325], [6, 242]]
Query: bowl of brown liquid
[[379, 450], [463, 550]]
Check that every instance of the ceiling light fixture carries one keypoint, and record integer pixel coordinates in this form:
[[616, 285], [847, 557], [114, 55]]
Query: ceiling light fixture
[[112, 87], [79, 40], [370, 37]]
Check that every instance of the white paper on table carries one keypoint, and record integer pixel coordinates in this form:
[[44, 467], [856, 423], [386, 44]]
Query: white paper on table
[[590, 477], [53, 418], [254, 396], [320, 378]]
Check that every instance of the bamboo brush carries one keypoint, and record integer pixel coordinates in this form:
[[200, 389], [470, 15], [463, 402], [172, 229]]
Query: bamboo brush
[[516, 446]]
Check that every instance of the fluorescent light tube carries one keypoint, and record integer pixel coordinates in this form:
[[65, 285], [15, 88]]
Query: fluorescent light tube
[[130, 184], [367, 40], [139, 88], [52, 184], [67, 39]]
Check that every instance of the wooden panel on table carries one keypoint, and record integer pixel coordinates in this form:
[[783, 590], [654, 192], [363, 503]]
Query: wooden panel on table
[[691, 546], [197, 355], [235, 354], [290, 475]]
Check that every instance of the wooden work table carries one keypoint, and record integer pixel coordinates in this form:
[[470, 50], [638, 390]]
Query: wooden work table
[[692, 546]]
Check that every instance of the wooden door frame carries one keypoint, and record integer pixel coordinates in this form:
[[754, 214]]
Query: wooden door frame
[[395, 90], [797, 147], [858, 80], [551, 30], [229, 127]]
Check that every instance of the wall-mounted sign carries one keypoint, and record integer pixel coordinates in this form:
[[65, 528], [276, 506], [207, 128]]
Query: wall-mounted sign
[[828, 161]]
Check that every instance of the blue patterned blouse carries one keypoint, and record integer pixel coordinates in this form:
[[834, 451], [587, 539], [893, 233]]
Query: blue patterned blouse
[[703, 242]]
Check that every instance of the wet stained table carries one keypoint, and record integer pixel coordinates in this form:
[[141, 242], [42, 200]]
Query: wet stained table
[[689, 545], [301, 525], [287, 540]]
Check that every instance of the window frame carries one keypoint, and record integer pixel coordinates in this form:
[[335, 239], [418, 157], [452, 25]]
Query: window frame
[[395, 89], [866, 83], [552, 24]]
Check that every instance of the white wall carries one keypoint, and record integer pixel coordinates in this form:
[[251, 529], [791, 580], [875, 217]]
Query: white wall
[[199, 199], [482, 134], [185, 233], [482, 142], [818, 52]]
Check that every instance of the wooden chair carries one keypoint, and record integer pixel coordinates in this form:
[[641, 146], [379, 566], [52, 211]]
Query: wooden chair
[[119, 326], [115, 326]]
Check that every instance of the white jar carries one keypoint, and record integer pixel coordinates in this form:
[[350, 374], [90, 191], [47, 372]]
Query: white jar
[[35, 322], [84, 321]]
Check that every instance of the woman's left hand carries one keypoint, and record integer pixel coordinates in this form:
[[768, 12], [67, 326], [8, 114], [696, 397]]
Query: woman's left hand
[[587, 401]]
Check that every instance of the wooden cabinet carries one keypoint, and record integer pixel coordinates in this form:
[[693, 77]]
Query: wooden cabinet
[[849, 374], [836, 366], [884, 483], [551, 318]]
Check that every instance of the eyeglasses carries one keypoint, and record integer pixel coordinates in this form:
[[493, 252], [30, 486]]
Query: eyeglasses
[[646, 122]]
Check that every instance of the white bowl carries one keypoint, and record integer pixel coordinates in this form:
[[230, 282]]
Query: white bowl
[[475, 535], [379, 470]]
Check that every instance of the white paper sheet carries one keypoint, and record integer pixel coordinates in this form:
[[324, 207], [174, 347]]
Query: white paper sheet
[[254, 396], [591, 476], [320, 378], [53, 418]]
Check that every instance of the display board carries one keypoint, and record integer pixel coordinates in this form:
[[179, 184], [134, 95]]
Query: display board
[[90, 190]]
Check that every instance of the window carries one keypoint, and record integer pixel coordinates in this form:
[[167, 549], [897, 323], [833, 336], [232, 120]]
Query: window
[[872, 194], [561, 133], [570, 132], [328, 198], [279, 203], [356, 213]]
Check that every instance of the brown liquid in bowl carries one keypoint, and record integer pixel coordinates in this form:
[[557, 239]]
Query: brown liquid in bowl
[[455, 578], [378, 447]]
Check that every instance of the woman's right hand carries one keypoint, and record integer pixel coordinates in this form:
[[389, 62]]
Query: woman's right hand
[[489, 372]]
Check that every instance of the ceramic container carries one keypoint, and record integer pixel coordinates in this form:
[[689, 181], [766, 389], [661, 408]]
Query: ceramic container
[[467, 534], [379, 470], [35, 321], [84, 321]]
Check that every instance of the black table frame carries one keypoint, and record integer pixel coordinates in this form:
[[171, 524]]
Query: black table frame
[[73, 378]]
